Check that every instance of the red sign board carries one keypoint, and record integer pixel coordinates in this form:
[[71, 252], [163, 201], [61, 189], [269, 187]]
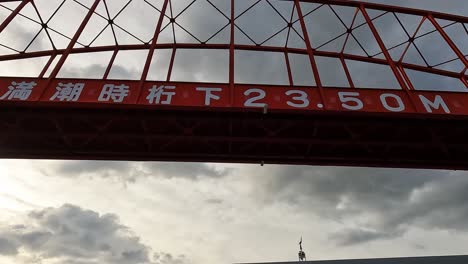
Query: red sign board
[[205, 96]]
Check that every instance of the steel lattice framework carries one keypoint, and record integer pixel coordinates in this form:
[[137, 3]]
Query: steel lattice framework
[[328, 82]]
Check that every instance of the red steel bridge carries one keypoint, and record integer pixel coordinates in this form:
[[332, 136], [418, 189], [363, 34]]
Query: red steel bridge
[[326, 82]]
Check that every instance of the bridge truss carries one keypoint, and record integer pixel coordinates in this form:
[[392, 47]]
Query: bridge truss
[[327, 82]]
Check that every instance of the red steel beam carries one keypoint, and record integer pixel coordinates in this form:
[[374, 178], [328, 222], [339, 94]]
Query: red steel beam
[[232, 46], [171, 65], [448, 40], [288, 67], [411, 43], [226, 47], [231, 51], [382, 47], [46, 67], [388, 57], [149, 58], [389, 8], [111, 63], [348, 74], [310, 52], [135, 152], [72, 43], [235, 139]]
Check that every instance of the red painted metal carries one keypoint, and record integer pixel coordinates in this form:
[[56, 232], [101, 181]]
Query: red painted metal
[[390, 8], [157, 30], [232, 50], [111, 63], [46, 67], [288, 68], [72, 43], [117, 135], [360, 58], [171, 65], [310, 51], [226, 121], [412, 37], [348, 75], [245, 97], [382, 47], [388, 58], [448, 40]]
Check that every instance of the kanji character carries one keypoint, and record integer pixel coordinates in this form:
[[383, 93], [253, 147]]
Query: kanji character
[[68, 92], [209, 94], [115, 92], [157, 92], [19, 90]]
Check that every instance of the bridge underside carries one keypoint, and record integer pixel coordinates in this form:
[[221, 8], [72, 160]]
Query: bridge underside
[[241, 137], [411, 260]]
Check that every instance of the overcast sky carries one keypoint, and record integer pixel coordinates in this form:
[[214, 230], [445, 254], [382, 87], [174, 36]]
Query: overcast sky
[[70, 212]]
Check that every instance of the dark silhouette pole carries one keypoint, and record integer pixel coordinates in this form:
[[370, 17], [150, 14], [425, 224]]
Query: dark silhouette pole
[[301, 254]]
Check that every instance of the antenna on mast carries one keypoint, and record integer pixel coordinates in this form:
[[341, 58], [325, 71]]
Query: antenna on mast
[[301, 254]]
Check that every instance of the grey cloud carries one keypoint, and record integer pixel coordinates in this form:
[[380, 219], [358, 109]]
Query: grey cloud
[[357, 236], [447, 6], [185, 170], [135, 256], [214, 201], [131, 171], [438, 204], [71, 261], [103, 168], [419, 246], [35, 239], [332, 183], [124, 171], [121, 72], [8, 247], [18, 36], [165, 258], [97, 71], [387, 201], [75, 235], [94, 70]]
